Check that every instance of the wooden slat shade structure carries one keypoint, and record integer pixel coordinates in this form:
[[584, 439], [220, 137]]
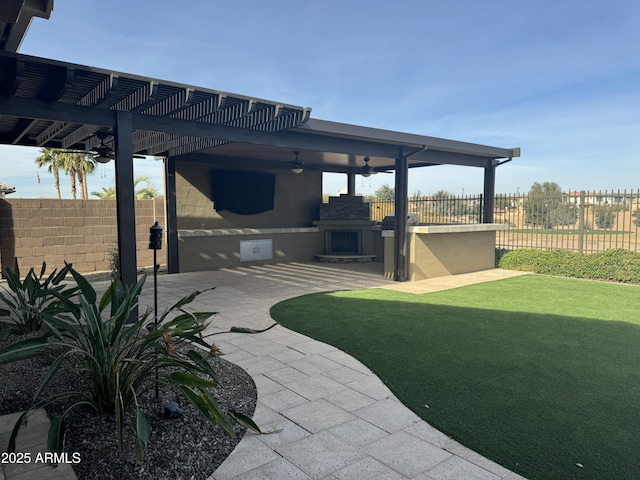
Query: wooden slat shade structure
[[55, 104]]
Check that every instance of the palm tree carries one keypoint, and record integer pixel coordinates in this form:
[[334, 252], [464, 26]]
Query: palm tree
[[69, 163], [77, 165], [106, 193], [87, 167], [53, 160], [109, 193]]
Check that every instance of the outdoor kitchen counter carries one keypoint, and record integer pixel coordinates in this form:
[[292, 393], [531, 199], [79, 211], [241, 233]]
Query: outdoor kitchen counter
[[439, 250], [216, 248]]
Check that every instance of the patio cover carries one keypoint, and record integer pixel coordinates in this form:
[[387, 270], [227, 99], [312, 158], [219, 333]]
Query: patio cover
[[48, 103], [16, 17]]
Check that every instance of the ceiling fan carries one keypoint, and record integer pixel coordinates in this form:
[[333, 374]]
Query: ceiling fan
[[297, 166], [102, 153], [366, 170]]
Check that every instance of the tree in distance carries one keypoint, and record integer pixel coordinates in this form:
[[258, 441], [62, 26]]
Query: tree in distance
[[547, 206], [385, 193], [142, 193]]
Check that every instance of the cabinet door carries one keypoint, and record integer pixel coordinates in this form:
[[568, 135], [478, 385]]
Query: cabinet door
[[256, 250]]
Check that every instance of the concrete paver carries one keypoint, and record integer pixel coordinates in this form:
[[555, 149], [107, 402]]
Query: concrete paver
[[332, 417]]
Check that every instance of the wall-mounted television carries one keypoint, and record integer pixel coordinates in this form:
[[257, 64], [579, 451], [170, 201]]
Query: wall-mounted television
[[241, 192]]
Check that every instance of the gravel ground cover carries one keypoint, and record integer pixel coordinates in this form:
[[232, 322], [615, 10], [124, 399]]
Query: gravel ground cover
[[185, 448]]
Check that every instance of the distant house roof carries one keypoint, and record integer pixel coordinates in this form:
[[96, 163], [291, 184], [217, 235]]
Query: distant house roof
[[6, 189]]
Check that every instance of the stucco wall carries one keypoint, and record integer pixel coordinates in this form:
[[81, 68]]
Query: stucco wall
[[206, 238], [297, 201], [81, 232], [440, 254], [211, 250]]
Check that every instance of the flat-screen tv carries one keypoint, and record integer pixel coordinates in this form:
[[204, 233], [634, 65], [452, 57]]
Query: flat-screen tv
[[245, 193]]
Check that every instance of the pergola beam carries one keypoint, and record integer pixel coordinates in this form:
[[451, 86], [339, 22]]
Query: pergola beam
[[14, 77], [294, 139], [21, 129], [29, 108]]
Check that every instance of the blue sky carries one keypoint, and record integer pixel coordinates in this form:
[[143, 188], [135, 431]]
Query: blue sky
[[560, 79]]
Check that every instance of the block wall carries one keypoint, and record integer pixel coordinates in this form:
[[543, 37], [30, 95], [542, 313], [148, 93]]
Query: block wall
[[82, 232]]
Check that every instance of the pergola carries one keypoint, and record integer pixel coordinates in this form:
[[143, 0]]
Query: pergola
[[48, 103]]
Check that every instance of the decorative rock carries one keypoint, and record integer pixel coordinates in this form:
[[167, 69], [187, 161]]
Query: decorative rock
[[172, 411]]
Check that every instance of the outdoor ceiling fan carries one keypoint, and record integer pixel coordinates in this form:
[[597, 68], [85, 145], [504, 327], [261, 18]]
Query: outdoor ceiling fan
[[102, 153], [297, 166], [366, 170]]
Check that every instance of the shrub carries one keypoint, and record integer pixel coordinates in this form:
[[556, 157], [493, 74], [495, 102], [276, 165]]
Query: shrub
[[611, 265], [34, 299], [122, 360], [114, 258]]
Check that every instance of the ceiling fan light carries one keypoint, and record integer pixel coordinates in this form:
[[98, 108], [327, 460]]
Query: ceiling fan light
[[297, 166], [104, 154], [366, 170]]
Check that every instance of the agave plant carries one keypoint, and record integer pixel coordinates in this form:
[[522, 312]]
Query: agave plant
[[124, 360], [32, 300]]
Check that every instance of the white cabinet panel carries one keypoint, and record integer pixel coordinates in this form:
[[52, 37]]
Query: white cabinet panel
[[256, 250]]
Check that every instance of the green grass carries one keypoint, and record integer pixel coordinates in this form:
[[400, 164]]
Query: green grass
[[537, 373]]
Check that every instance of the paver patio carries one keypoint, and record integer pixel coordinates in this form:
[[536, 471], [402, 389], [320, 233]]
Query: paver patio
[[331, 417]]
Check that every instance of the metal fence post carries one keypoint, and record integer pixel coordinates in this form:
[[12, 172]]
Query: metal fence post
[[581, 222]]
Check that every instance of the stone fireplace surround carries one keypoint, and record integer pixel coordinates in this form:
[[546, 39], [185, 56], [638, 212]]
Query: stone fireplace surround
[[346, 230]]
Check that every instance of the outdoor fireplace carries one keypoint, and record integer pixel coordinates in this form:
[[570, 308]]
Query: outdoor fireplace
[[346, 230], [343, 242]]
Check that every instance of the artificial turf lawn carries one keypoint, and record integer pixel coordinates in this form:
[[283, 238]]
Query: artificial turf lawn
[[537, 373]]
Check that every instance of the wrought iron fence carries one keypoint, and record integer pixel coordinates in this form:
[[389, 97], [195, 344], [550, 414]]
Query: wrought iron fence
[[580, 221], [440, 210]]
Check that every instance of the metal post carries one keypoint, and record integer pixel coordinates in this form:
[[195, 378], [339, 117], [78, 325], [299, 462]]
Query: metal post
[[581, 213], [489, 193], [171, 205], [400, 273], [155, 243], [155, 304], [125, 202], [351, 184]]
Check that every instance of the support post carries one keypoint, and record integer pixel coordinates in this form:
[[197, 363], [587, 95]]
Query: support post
[[401, 247], [351, 184], [125, 202], [489, 192], [171, 219]]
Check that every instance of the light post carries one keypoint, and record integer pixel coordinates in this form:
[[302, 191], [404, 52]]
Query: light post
[[155, 244]]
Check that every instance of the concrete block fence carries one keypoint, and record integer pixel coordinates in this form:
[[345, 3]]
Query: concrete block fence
[[82, 232]]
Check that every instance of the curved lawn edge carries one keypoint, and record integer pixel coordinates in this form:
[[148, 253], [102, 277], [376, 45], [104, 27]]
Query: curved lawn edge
[[536, 373]]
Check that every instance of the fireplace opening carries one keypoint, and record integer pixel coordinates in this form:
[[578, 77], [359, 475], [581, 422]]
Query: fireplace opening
[[343, 242]]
